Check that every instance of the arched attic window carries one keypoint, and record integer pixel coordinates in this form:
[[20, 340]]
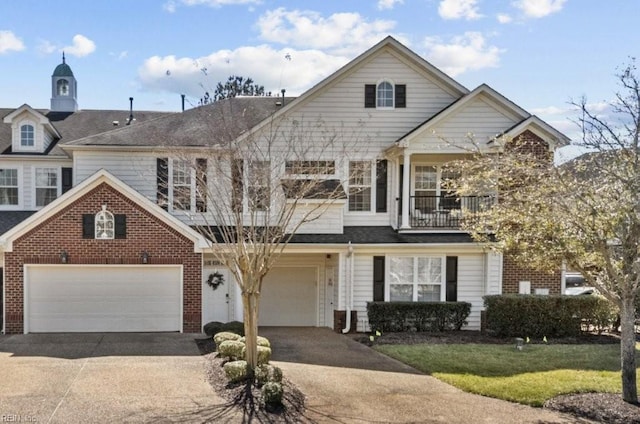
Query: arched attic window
[[384, 94], [27, 135], [105, 224]]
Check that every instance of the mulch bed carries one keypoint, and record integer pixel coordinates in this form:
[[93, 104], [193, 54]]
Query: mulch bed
[[600, 407], [246, 397]]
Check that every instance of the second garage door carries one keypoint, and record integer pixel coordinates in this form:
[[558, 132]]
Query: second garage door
[[289, 297], [106, 298]]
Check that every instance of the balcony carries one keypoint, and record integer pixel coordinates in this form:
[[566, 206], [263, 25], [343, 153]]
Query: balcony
[[443, 212]]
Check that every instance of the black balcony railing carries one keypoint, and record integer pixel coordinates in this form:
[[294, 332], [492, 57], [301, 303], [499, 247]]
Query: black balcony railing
[[444, 211]]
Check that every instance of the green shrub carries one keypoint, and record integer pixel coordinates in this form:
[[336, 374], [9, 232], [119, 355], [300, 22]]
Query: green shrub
[[212, 328], [234, 327], [417, 316], [224, 336], [272, 395], [262, 341], [267, 373], [550, 316], [236, 371], [231, 349], [264, 355]]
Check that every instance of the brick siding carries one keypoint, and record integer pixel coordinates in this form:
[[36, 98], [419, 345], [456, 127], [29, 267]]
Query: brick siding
[[63, 231], [512, 274]]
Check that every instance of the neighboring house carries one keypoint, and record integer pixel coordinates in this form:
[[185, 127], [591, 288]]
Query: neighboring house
[[93, 241]]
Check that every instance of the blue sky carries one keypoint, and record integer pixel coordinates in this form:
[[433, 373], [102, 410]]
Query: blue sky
[[538, 53]]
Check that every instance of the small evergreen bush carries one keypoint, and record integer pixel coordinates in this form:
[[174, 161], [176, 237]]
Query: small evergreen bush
[[417, 316], [236, 371]]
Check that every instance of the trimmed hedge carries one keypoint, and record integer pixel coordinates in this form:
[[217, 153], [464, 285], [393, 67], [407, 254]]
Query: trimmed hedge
[[550, 316], [417, 316]]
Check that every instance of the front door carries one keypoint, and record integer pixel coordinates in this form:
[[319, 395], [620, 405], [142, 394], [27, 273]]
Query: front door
[[215, 301]]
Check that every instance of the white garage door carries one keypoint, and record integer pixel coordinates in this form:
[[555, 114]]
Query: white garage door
[[113, 298], [289, 297]]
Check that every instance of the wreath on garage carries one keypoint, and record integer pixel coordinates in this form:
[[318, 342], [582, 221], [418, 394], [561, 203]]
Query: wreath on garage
[[215, 280]]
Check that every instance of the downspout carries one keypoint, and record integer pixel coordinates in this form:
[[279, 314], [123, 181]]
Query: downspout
[[349, 288], [563, 278]]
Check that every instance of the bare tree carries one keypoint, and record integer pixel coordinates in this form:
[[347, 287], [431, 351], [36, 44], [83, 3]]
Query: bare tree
[[585, 213], [256, 186]]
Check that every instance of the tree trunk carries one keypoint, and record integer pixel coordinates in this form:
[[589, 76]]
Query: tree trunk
[[250, 302], [628, 350]]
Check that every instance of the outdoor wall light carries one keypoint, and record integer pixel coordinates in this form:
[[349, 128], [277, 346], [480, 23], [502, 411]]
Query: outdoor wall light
[[145, 257], [64, 257]]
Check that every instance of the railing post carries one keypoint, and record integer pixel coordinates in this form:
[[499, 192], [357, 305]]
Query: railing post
[[405, 189]]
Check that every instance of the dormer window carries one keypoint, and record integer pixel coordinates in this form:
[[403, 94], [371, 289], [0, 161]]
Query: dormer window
[[385, 95], [63, 87], [105, 224], [27, 135]]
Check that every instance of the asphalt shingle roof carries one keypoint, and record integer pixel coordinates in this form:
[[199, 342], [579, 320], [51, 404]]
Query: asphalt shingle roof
[[9, 219], [202, 126], [76, 125]]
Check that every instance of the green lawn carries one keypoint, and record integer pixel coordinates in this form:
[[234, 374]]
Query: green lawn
[[530, 376]]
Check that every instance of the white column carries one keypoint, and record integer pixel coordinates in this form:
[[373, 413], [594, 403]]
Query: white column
[[405, 189]]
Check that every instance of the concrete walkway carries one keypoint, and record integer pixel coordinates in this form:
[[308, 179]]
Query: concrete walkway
[[346, 382], [101, 378]]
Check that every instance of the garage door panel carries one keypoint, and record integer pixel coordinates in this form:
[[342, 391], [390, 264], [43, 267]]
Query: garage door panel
[[103, 298], [289, 297]]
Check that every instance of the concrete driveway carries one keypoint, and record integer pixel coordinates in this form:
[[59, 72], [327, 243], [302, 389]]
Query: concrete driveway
[[346, 382], [99, 378]]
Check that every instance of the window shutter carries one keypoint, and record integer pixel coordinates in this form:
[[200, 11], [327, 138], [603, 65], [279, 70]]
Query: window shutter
[[237, 184], [452, 279], [201, 185], [67, 179], [162, 179], [378, 278], [401, 95], [370, 95], [120, 222], [381, 186], [88, 226]]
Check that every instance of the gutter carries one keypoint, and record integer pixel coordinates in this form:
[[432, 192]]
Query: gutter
[[349, 288]]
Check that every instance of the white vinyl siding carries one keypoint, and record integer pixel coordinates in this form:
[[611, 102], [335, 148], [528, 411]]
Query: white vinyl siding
[[471, 286], [322, 219]]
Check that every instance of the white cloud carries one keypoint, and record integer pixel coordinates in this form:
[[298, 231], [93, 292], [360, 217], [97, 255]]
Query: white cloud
[[82, 46], [539, 8], [341, 33], [388, 4], [119, 56], [47, 47], [503, 18], [195, 76], [459, 9], [171, 5], [463, 53], [10, 42]]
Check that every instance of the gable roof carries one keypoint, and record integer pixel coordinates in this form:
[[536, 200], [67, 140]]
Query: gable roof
[[203, 126], [537, 125], [100, 177], [74, 125]]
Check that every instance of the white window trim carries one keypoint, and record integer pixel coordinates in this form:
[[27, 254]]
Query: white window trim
[[393, 94], [443, 275], [19, 206], [108, 217], [372, 206], [18, 145], [34, 185], [192, 194]]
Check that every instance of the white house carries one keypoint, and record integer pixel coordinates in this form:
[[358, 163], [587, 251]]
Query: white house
[[98, 215]]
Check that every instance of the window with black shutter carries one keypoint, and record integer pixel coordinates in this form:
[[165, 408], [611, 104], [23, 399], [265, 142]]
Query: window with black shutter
[[67, 179], [381, 186], [401, 95], [120, 224], [162, 181], [370, 95], [452, 279], [378, 278], [88, 226]]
